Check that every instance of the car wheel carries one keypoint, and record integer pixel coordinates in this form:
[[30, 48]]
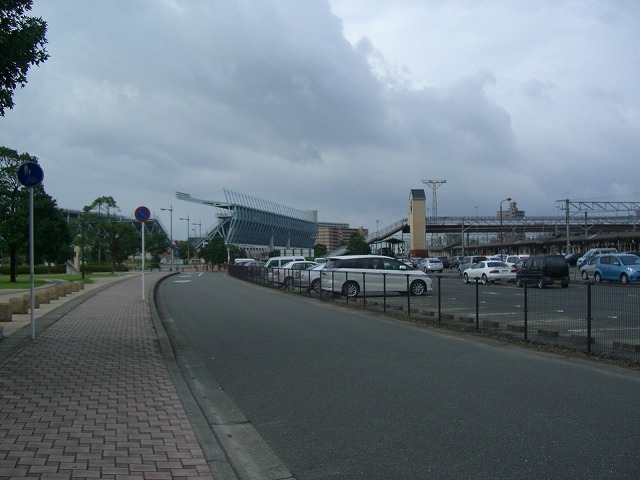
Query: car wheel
[[585, 275], [351, 289], [466, 278], [418, 288], [316, 286], [541, 283], [519, 282], [597, 277], [288, 282], [485, 280], [624, 279]]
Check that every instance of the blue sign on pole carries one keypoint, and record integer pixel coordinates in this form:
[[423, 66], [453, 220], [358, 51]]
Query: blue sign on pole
[[30, 174], [142, 214]]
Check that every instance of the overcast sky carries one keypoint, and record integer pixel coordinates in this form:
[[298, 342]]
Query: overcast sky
[[340, 106]]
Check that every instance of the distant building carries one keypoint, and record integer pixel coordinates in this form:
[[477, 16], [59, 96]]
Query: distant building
[[332, 234], [511, 212]]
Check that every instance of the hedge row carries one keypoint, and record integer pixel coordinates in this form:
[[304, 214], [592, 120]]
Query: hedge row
[[61, 269]]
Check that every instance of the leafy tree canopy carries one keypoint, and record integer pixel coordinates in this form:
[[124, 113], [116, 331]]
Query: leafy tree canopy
[[358, 245], [22, 44]]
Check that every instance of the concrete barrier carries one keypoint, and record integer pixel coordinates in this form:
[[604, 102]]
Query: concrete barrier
[[74, 286], [5, 312], [67, 288], [19, 304], [36, 300], [60, 289], [42, 296], [53, 293]]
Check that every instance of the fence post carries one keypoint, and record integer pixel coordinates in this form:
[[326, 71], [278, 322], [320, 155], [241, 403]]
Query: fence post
[[384, 292], [526, 313], [408, 297], [364, 291], [439, 300], [588, 318], [477, 306]]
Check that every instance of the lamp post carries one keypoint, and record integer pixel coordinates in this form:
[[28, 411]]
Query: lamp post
[[188, 226], [199, 224], [505, 200], [170, 210]]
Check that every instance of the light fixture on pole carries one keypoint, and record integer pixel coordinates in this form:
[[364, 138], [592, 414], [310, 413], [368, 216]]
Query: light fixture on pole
[[188, 226], [199, 224], [505, 200], [170, 210]]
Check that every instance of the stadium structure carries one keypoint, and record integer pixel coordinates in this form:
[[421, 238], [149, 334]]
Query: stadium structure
[[259, 226]]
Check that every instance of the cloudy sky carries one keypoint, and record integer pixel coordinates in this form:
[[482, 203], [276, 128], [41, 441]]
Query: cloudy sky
[[340, 106]]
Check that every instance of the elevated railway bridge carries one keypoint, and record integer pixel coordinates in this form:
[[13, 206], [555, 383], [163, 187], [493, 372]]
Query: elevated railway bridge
[[573, 233]]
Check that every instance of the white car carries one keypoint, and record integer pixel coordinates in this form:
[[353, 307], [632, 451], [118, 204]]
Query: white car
[[352, 274], [289, 273], [588, 269], [310, 278], [489, 271], [431, 265]]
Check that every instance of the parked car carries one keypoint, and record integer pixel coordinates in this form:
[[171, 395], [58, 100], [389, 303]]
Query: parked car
[[310, 278], [489, 271], [289, 273], [445, 261], [588, 269], [350, 274], [513, 259], [455, 261], [594, 251], [544, 270], [279, 261], [572, 258], [622, 268], [430, 265], [468, 262]]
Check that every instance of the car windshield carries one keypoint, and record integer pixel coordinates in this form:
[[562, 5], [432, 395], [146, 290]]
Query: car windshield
[[630, 260], [496, 264]]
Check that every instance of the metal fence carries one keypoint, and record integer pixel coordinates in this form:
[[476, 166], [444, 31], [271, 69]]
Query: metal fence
[[600, 319]]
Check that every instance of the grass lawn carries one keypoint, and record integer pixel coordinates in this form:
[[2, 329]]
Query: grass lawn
[[23, 281]]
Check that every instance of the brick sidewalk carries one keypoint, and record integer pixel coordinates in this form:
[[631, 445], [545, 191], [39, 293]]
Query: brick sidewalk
[[91, 397]]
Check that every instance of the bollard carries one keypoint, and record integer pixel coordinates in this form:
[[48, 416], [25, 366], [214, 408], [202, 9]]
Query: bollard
[[53, 293], [5, 312], [36, 300], [67, 288], [61, 290], [19, 304], [74, 286]]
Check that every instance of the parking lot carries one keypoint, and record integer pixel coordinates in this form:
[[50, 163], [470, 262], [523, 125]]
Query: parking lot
[[595, 318]]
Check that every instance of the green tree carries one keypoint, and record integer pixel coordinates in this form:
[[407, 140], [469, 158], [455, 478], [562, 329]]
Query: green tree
[[107, 229], [184, 250], [51, 235], [319, 250], [215, 252], [22, 44], [156, 244], [358, 245]]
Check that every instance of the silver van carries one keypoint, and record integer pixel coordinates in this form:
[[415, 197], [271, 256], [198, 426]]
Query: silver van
[[279, 261], [351, 274]]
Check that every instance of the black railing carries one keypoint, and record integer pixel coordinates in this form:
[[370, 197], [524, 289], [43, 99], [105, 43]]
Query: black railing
[[601, 319]]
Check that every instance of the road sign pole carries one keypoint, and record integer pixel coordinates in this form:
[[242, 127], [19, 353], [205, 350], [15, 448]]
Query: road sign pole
[[143, 255], [31, 250]]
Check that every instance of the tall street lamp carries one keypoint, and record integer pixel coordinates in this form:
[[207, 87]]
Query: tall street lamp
[[170, 210], [505, 200], [188, 226], [199, 224]]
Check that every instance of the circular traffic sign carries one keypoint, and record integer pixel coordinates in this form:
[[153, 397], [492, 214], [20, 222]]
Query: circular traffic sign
[[142, 214], [30, 174]]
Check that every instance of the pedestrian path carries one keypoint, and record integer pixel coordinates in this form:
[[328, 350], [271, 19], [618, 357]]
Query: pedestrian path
[[92, 397]]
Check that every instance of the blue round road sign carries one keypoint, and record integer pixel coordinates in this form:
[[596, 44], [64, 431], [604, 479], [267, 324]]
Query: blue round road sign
[[142, 214], [30, 174]]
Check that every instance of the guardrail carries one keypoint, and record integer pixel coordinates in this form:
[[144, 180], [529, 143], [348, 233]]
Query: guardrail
[[600, 319]]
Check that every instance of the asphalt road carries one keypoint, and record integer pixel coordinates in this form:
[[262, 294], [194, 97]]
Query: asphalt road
[[347, 394]]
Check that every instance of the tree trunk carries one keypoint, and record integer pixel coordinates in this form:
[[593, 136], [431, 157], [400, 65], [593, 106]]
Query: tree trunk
[[13, 267]]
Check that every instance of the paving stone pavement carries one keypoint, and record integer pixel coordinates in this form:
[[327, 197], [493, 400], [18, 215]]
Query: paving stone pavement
[[92, 397]]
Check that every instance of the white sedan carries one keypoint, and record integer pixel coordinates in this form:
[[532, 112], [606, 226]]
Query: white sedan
[[289, 273], [489, 271]]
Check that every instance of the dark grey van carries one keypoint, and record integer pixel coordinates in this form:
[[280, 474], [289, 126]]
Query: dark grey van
[[543, 270]]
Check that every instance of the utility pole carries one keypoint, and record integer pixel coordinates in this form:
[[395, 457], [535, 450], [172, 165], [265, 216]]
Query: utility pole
[[434, 184]]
